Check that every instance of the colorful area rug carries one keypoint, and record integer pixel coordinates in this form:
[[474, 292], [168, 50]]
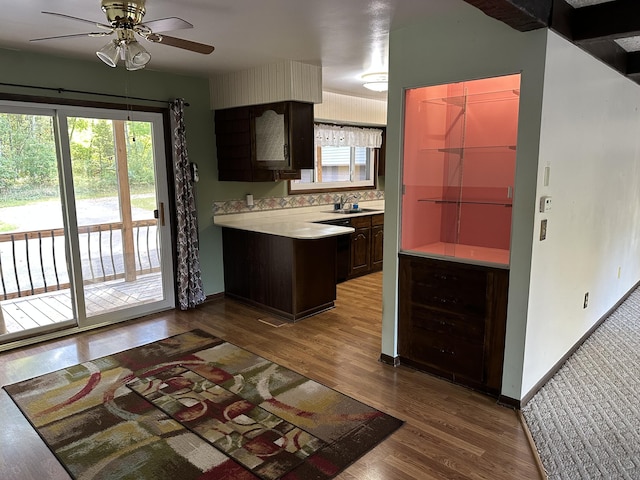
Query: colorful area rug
[[193, 406]]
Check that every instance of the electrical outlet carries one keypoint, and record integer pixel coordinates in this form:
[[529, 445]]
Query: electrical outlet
[[543, 229], [586, 300], [545, 204]]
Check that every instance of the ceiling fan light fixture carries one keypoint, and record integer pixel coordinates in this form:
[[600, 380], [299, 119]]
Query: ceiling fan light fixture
[[135, 56], [110, 53], [377, 82]]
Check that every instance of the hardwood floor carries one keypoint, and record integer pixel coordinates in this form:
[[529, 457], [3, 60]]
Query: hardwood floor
[[450, 432]]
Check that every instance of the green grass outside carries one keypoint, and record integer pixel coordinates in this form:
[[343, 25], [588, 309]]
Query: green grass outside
[[7, 227], [34, 195], [146, 203]]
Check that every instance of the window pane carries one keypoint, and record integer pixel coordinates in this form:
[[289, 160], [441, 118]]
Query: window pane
[[336, 164], [362, 164], [306, 176]]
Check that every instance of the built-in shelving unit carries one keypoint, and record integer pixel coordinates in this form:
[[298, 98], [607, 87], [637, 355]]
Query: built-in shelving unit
[[459, 169], [458, 188]]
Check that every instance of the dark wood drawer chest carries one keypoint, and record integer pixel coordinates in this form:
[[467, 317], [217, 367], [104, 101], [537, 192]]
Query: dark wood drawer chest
[[452, 320]]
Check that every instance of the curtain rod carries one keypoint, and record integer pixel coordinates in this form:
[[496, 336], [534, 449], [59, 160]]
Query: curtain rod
[[65, 90]]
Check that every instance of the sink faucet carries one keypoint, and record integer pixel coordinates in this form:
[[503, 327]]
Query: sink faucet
[[345, 200]]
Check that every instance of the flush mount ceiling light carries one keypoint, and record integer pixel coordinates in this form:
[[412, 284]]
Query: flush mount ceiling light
[[378, 82]]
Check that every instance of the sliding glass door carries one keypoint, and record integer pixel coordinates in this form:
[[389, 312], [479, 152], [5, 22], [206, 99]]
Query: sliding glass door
[[84, 235], [34, 281]]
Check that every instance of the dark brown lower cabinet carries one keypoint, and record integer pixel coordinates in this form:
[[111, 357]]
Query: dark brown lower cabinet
[[292, 278], [359, 253], [366, 244], [452, 320], [360, 246]]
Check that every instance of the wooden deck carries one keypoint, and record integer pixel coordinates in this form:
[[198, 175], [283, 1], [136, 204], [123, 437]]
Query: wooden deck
[[44, 309]]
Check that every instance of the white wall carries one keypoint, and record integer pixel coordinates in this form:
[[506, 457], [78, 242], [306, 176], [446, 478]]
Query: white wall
[[287, 80], [590, 138], [339, 108], [461, 45]]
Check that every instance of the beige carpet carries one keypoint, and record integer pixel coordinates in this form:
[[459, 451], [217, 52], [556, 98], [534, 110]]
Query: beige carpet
[[585, 421]]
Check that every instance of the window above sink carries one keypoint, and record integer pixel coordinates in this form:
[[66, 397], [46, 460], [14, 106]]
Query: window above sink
[[345, 159]]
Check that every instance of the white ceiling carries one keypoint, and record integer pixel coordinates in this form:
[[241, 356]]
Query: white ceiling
[[346, 37]]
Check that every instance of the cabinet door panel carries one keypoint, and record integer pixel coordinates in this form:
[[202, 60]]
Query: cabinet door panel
[[360, 251], [269, 136], [301, 136], [377, 247]]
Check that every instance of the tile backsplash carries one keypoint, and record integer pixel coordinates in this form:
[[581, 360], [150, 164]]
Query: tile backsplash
[[293, 201]]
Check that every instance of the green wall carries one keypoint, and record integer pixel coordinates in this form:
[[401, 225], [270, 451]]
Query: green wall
[[70, 74], [92, 75]]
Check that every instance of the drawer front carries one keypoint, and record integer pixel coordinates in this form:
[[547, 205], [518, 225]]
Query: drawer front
[[361, 222], [447, 325], [449, 287], [377, 219], [453, 356]]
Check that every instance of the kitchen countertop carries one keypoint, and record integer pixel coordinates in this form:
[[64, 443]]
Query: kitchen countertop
[[296, 222]]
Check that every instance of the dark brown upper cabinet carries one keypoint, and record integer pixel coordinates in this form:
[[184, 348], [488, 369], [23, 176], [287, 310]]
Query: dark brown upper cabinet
[[262, 143]]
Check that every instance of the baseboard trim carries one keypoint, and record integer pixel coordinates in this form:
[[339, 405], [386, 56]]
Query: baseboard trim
[[509, 402], [532, 445], [214, 298], [531, 393], [389, 360]]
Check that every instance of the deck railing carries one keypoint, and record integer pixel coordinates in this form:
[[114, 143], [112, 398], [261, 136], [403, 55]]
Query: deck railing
[[35, 262]]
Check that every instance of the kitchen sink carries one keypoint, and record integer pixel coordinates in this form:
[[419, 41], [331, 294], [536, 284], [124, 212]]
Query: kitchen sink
[[349, 211]]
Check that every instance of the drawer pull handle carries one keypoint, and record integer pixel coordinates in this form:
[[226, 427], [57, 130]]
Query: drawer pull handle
[[446, 300], [444, 276]]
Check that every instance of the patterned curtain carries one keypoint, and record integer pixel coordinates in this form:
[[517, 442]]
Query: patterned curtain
[[188, 276]]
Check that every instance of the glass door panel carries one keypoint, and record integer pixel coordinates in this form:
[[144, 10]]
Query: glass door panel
[[459, 158], [83, 236], [114, 178], [35, 293]]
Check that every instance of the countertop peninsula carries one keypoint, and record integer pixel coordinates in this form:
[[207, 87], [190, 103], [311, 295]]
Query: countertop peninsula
[[283, 262], [296, 222]]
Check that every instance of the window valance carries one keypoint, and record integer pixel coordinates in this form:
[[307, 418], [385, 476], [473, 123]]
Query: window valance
[[343, 136]]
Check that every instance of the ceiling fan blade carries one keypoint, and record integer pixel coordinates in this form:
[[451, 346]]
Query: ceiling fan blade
[[69, 17], [184, 44], [91, 34], [167, 24]]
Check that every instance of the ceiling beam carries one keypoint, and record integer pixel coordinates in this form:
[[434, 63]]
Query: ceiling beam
[[606, 21], [633, 65], [593, 28], [522, 15]]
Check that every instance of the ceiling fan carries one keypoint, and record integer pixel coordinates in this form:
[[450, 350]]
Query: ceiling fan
[[125, 20]]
